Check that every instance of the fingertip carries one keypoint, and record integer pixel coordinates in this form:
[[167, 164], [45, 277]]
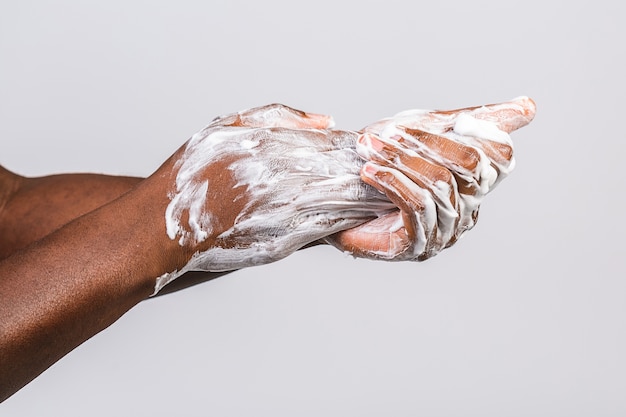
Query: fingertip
[[528, 106], [521, 111], [508, 116], [370, 141], [385, 179], [378, 177], [318, 121], [279, 115], [531, 107], [369, 171]]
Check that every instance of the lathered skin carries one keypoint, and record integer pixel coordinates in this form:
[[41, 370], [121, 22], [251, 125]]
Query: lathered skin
[[403, 188]]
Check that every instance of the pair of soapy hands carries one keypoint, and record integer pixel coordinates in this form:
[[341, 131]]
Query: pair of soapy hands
[[255, 186]]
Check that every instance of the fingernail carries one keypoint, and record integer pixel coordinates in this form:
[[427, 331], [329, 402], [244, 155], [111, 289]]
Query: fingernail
[[321, 120], [372, 142], [369, 170]]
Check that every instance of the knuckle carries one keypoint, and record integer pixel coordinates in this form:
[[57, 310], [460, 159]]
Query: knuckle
[[469, 158], [442, 174]]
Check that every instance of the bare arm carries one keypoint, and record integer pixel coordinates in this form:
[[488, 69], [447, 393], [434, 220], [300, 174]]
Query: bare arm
[[31, 208], [65, 288], [59, 290], [249, 189]]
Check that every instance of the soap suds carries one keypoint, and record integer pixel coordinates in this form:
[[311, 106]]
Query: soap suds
[[470, 128], [304, 184], [297, 185]]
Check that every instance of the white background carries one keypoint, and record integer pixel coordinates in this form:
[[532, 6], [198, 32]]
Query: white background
[[524, 316]]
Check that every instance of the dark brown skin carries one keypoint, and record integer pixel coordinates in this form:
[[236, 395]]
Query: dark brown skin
[[42, 291], [80, 270], [44, 204], [68, 268]]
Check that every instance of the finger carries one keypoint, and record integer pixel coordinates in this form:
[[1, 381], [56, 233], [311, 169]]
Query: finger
[[487, 128], [505, 117], [416, 204], [381, 238], [499, 153], [437, 148], [494, 147], [465, 162], [433, 177], [508, 116], [449, 153], [278, 115], [472, 181]]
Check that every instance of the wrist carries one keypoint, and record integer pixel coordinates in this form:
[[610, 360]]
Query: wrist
[[167, 257]]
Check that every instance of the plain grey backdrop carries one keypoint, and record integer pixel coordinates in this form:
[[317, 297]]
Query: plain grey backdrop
[[526, 315]]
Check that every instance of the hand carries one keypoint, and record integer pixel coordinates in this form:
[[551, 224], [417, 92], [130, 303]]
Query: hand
[[436, 167], [254, 187]]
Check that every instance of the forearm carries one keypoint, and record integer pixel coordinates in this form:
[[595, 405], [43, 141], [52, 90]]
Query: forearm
[[31, 208], [75, 282]]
